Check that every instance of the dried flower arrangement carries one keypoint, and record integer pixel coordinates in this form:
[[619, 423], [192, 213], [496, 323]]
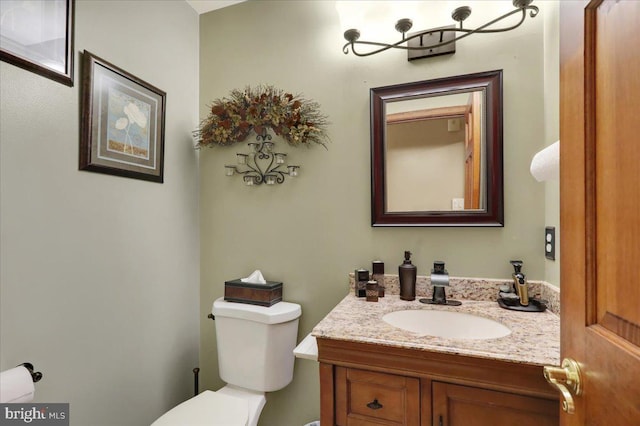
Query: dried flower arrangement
[[297, 120]]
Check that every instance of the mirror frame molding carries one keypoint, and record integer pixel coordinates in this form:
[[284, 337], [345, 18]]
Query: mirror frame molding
[[493, 214]]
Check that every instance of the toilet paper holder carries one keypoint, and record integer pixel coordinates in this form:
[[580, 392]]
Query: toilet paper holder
[[35, 375]]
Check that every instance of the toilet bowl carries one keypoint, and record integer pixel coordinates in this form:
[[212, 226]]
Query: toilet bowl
[[255, 356], [208, 408]]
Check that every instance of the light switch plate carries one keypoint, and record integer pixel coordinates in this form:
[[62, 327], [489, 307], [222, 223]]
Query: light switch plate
[[457, 204], [550, 242]]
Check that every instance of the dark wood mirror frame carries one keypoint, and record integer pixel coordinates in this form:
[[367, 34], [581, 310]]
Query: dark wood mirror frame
[[490, 82]]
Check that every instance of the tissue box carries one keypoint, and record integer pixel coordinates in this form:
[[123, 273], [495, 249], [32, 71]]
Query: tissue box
[[255, 294]]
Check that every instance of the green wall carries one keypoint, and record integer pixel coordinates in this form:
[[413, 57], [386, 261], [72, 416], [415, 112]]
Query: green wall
[[312, 231], [99, 274]]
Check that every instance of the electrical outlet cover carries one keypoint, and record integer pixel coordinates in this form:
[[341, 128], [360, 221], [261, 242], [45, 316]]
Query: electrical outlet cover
[[550, 242]]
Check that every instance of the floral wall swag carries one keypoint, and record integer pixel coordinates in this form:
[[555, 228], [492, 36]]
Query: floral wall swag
[[295, 119]]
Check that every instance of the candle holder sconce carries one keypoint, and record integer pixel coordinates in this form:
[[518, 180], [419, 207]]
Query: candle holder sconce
[[261, 164]]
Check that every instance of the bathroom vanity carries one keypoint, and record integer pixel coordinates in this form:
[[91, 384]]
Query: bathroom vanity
[[374, 373]]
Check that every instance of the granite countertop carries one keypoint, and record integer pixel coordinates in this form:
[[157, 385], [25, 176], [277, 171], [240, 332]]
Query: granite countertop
[[534, 338]]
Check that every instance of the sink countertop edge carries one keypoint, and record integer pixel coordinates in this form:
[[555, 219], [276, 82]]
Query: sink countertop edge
[[534, 338]]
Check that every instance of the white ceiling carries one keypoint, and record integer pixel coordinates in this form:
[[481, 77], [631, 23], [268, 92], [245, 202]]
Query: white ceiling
[[204, 6]]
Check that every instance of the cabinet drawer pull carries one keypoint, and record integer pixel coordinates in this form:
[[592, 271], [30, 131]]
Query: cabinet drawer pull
[[374, 405]]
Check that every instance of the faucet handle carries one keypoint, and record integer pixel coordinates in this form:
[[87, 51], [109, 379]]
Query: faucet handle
[[439, 275]]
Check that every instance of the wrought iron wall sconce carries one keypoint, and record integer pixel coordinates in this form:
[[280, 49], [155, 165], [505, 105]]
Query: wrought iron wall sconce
[[437, 41], [261, 164]]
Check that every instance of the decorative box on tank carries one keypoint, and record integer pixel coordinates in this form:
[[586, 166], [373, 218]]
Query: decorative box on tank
[[255, 294]]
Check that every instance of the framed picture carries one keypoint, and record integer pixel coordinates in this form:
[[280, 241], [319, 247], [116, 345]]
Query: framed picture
[[122, 122], [37, 35]]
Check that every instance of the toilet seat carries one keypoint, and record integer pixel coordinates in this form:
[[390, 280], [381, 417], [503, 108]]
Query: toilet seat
[[207, 409]]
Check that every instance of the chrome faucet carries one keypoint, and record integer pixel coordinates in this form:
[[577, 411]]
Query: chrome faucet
[[440, 280], [520, 283]]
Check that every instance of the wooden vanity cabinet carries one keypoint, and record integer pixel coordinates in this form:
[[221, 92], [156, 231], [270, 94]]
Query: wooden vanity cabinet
[[366, 384], [369, 397], [467, 405]]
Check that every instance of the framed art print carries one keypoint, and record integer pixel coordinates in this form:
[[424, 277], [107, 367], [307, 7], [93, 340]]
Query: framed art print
[[37, 35], [122, 122]]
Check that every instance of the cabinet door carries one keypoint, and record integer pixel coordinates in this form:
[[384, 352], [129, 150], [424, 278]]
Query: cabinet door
[[455, 405], [372, 398]]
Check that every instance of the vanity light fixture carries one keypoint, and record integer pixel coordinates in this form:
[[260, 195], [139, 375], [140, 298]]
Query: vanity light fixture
[[437, 41], [261, 164]]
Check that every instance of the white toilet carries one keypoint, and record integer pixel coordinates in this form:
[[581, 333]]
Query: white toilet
[[255, 355]]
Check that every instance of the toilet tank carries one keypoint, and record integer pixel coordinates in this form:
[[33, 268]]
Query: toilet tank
[[255, 343]]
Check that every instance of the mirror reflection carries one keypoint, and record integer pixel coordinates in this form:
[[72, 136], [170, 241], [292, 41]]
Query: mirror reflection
[[437, 152], [434, 147]]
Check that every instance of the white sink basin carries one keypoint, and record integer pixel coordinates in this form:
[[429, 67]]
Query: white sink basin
[[447, 324]]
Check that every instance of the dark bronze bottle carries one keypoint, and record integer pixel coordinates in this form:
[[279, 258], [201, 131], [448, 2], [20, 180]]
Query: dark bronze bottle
[[408, 274]]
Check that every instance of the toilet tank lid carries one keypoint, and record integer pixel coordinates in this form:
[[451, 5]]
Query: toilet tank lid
[[274, 314]]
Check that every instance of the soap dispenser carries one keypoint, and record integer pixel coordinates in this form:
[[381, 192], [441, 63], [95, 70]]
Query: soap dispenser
[[408, 274]]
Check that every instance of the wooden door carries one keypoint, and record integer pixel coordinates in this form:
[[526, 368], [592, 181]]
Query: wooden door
[[473, 151], [600, 207]]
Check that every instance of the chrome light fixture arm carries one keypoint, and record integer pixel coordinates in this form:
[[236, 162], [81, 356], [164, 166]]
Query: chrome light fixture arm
[[352, 36]]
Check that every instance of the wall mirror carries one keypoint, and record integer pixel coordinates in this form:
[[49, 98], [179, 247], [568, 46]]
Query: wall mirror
[[436, 152]]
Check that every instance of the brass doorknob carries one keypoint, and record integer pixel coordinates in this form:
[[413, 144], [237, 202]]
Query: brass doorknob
[[567, 380]]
